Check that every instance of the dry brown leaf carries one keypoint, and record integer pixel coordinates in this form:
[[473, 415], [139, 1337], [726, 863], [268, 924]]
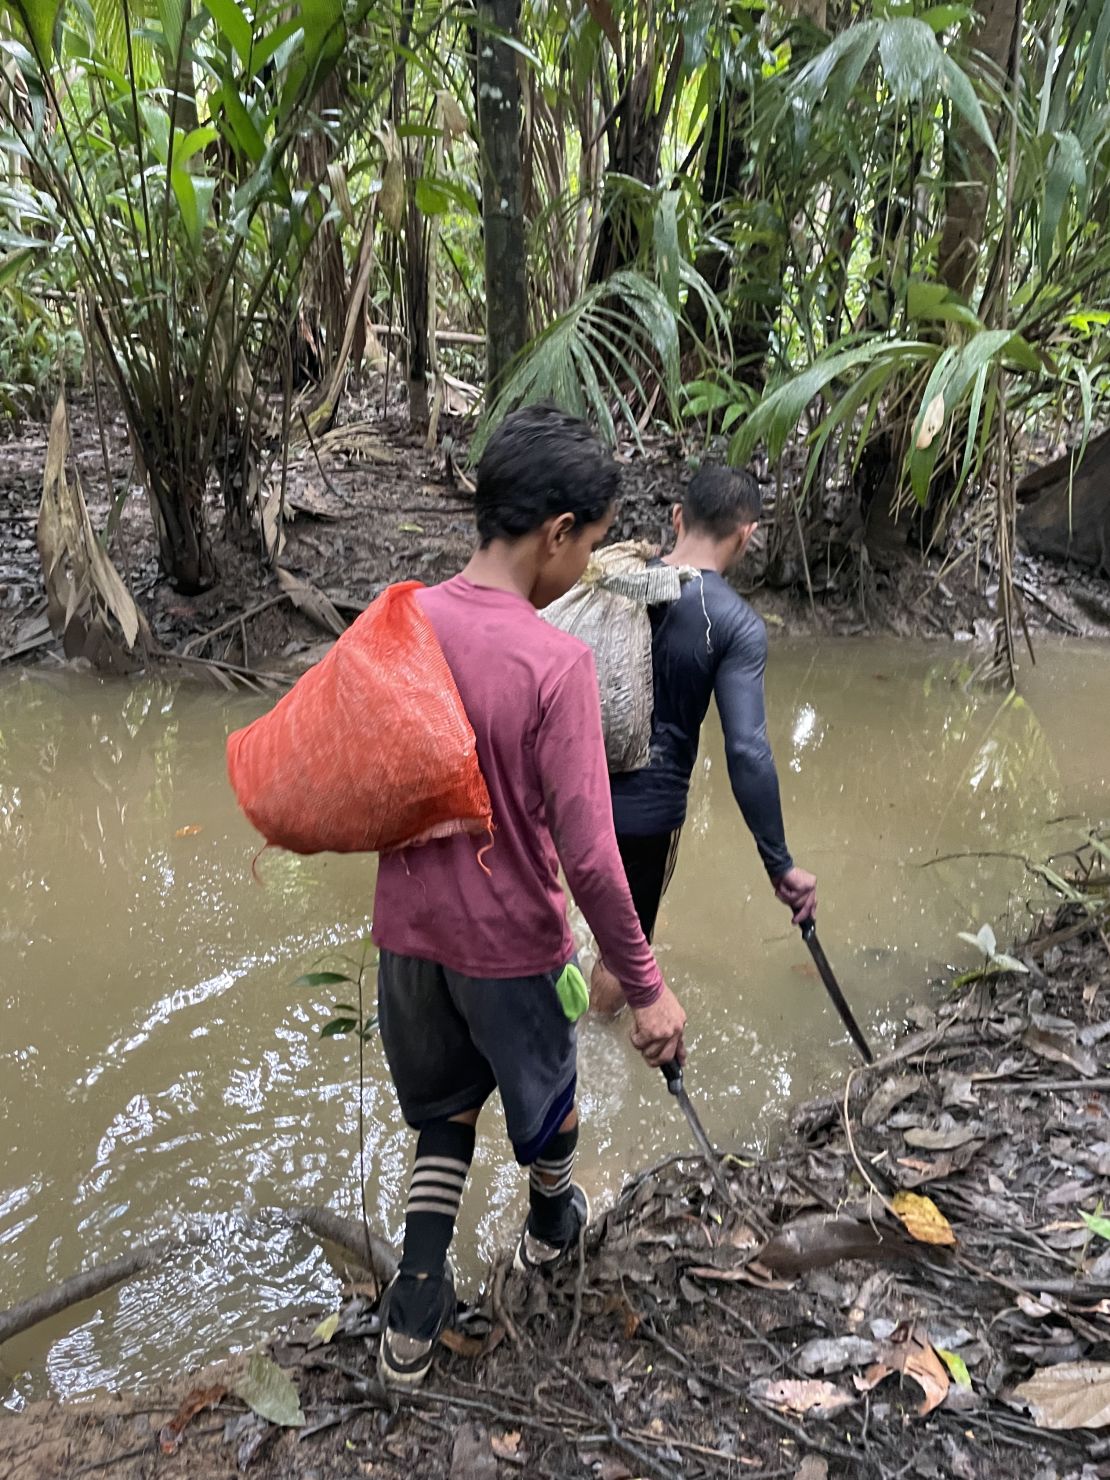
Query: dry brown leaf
[[1060, 1050], [821, 1399], [451, 115], [87, 603], [910, 1353], [923, 1220], [890, 1094], [926, 1139], [472, 1346], [507, 1445], [313, 603], [813, 1467], [602, 13], [195, 1402], [1074, 1395]]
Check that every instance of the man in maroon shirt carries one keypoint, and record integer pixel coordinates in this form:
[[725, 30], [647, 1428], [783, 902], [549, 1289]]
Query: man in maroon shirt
[[478, 988]]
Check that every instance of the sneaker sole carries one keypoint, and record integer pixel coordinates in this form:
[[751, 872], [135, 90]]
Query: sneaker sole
[[391, 1376], [518, 1259]]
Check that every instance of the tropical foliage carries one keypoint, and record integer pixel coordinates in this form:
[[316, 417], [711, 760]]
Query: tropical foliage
[[874, 232]]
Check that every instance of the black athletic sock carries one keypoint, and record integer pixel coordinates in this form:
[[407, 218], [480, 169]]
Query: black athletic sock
[[551, 1217], [444, 1152]]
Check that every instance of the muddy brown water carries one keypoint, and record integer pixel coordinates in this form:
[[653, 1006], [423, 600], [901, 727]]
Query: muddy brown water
[[156, 1064]]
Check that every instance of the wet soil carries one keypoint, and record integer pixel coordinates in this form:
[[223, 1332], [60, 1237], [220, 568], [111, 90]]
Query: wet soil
[[367, 504], [812, 1323]]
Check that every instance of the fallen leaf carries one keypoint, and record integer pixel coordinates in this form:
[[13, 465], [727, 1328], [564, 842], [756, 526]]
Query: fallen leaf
[[1074, 1395], [1060, 1050], [813, 1467], [821, 1399], [923, 1220], [265, 1388], [190, 831], [200, 1398], [956, 1366], [887, 1097], [472, 1346], [507, 1445], [1096, 1223], [327, 1328], [471, 1455], [938, 1140], [909, 1353], [833, 1354], [313, 603]]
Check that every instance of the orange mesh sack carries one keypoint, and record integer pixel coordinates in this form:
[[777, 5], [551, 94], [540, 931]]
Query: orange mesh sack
[[370, 750]]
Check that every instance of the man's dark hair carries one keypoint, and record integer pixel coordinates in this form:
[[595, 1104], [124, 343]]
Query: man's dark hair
[[538, 464], [718, 500]]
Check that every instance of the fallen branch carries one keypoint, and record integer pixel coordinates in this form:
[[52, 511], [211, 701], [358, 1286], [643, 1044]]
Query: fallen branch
[[369, 1250]]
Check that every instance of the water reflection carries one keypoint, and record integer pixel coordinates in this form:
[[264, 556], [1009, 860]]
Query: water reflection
[[156, 1065]]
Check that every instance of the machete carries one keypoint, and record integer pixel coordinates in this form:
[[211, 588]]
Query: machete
[[832, 986]]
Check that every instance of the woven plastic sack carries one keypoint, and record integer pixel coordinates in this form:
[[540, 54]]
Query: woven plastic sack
[[608, 609], [371, 749]]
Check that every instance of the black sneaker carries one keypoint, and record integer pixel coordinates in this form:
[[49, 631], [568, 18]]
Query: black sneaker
[[534, 1253], [403, 1361]]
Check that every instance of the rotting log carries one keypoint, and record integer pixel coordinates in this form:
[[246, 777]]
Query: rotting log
[[1064, 512]]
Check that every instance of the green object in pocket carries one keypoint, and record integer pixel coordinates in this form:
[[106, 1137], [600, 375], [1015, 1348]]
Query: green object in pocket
[[573, 991]]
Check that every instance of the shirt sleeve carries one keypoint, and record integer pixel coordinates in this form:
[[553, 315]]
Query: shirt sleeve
[[570, 758], [738, 689]]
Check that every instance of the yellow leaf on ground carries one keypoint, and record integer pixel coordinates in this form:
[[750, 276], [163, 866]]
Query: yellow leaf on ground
[[924, 1221], [327, 1327]]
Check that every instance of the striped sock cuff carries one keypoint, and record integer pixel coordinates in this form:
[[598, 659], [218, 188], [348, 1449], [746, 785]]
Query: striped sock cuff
[[556, 1165], [437, 1185]]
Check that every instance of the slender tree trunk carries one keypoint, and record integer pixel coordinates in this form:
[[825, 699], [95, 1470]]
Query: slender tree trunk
[[499, 130], [969, 165]]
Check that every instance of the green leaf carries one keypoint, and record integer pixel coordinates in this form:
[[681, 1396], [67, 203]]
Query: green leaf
[[39, 18], [436, 197], [327, 1328], [943, 17], [1096, 1223], [956, 1366], [667, 255], [321, 979], [12, 266], [193, 142], [984, 941], [958, 86], [265, 1388], [338, 1025], [231, 20], [910, 56], [245, 137]]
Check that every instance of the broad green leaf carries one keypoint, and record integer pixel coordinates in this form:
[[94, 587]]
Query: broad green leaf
[[665, 229], [245, 137], [11, 267], [266, 1388], [338, 1025], [431, 197], [321, 979], [910, 56], [1067, 170], [983, 941], [193, 142], [39, 18], [324, 32], [231, 20], [958, 86], [942, 17]]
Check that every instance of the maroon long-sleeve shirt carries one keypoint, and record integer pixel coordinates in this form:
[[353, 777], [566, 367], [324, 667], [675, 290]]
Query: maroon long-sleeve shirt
[[530, 692]]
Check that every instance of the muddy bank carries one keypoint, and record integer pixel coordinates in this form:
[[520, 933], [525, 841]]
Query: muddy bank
[[366, 505], [822, 1323]]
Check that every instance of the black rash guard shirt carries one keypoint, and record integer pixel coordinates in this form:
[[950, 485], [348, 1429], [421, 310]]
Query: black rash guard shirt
[[707, 644]]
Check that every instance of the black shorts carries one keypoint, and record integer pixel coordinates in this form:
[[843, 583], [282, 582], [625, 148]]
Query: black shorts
[[451, 1040], [649, 867]]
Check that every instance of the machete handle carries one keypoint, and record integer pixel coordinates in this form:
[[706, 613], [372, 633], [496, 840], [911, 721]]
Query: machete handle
[[808, 927], [672, 1073]]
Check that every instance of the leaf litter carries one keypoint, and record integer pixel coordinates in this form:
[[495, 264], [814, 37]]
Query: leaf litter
[[877, 1331]]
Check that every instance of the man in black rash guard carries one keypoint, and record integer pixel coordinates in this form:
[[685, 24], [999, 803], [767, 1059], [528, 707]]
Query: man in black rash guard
[[707, 644]]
